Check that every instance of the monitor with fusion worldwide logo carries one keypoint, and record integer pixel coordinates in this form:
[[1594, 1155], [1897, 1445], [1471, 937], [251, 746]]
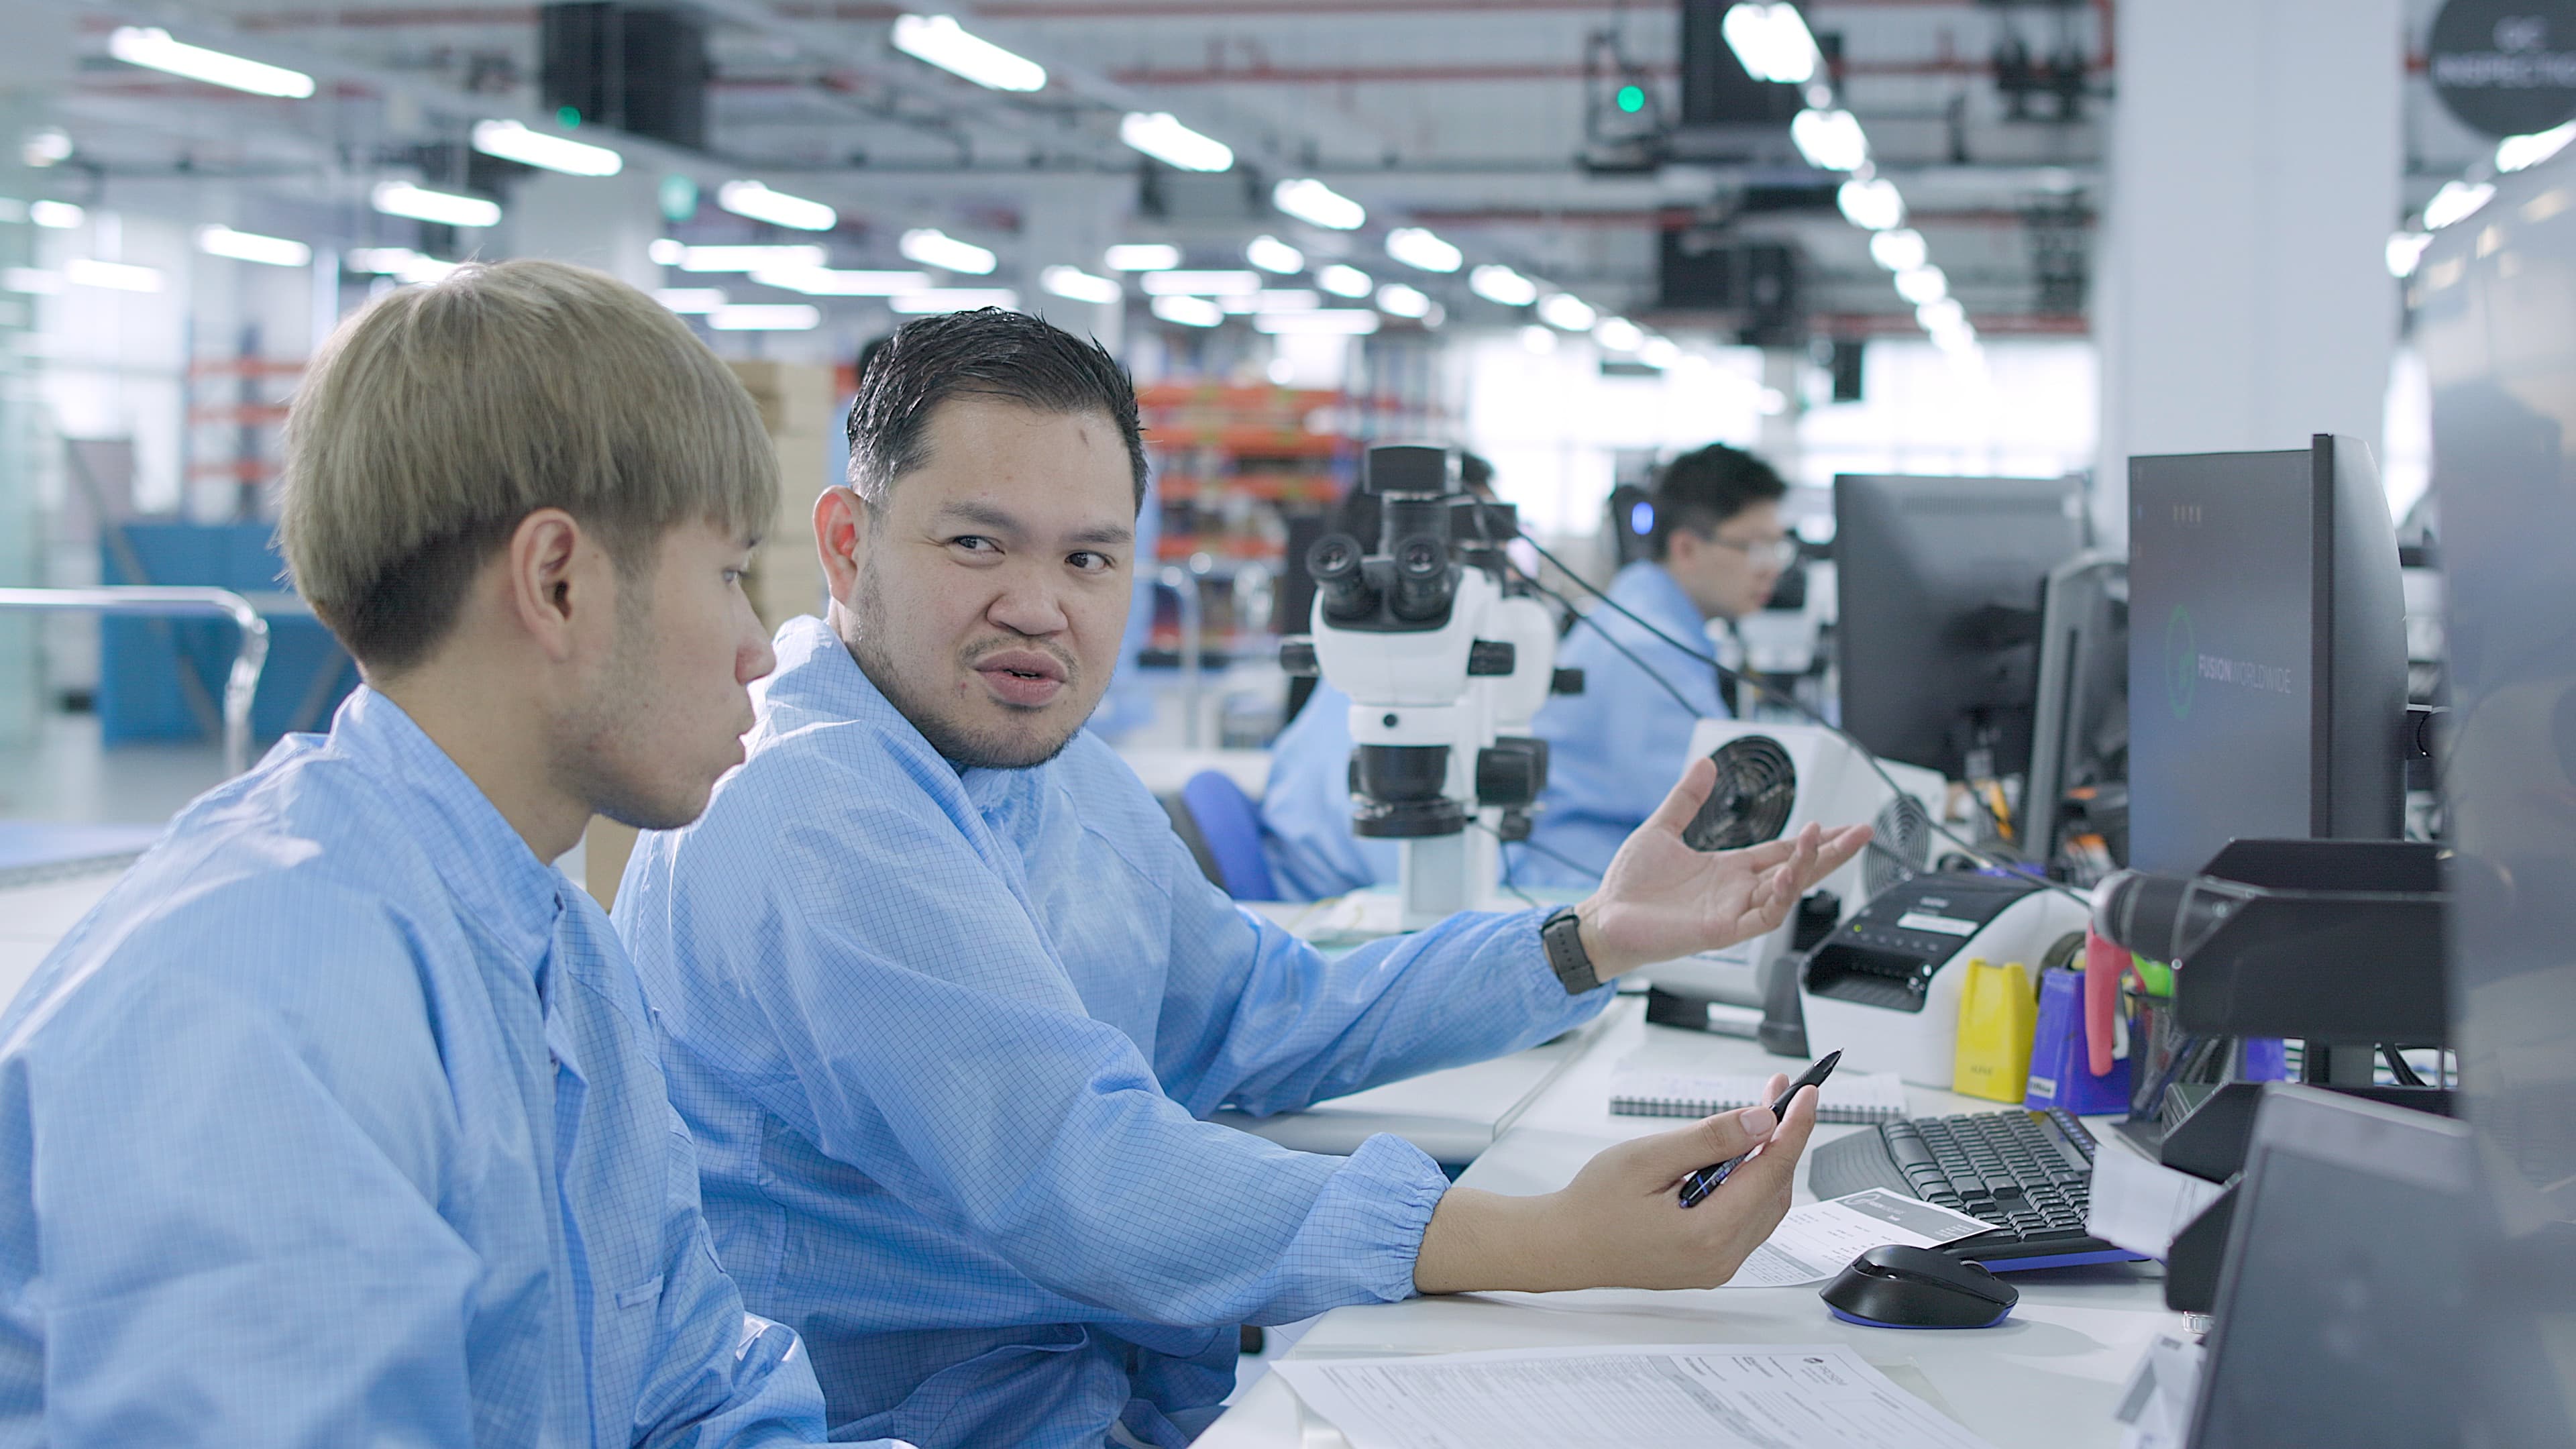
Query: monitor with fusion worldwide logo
[[2267, 652]]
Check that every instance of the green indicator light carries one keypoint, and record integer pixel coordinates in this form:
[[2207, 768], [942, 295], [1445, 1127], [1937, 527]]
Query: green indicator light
[[1632, 99], [568, 116]]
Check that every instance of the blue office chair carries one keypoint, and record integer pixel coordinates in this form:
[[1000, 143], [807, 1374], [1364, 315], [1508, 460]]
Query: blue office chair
[[1222, 827]]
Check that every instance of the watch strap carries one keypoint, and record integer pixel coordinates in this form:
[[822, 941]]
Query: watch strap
[[1562, 936]]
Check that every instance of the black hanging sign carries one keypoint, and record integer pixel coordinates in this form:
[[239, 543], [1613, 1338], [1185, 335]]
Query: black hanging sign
[[2506, 67]]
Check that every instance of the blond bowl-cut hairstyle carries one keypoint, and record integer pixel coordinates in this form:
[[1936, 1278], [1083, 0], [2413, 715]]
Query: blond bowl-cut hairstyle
[[438, 417]]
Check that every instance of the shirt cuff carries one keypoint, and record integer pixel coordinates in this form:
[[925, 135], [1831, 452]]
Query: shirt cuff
[[1374, 1211]]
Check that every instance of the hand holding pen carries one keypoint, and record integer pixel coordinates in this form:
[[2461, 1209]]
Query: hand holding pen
[[1700, 1184]]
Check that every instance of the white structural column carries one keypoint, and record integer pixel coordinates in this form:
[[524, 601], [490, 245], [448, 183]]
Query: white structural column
[[35, 57], [2241, 296], [608, 222]]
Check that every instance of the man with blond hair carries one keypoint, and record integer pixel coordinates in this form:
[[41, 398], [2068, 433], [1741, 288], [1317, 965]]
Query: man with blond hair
[[339, 1120]]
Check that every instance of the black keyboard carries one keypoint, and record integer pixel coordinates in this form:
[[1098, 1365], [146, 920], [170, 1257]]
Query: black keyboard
[[2028, 1173]]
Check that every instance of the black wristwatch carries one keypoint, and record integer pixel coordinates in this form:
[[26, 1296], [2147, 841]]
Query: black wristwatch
[[1562, 934]]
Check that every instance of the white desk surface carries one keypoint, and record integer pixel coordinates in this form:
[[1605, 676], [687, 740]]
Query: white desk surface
[[2048, 1377]]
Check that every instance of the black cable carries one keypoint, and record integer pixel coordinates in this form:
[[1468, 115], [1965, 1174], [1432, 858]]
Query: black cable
[[1560, 857], [2398, 1066], [1526, 898], [1975, 852]]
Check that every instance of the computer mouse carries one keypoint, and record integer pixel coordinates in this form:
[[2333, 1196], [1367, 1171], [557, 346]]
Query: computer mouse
[[1900, 1287]]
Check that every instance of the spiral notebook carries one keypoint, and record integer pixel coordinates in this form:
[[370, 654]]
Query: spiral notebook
[[1638, 1091]]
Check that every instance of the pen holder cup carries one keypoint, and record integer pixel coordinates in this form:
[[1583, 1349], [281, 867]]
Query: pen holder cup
[[2061, 1066], [1997, 1014]]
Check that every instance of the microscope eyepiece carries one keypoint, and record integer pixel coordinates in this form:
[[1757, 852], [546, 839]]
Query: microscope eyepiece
[[1424, 581], [1334, 561]]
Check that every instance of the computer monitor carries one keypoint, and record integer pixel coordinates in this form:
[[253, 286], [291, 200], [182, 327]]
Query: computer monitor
[[2491, 322], [1938, 630], [2267, 652], [2342, 1295], [2080, 713]]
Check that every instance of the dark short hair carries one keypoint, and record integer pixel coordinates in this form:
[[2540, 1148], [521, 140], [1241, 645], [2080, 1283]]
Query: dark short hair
[[1701, 490], [984, 353]]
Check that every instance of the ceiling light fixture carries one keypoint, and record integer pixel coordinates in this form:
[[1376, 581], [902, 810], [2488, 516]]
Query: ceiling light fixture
[[1316, 204], [1619, 334], [400, 263], [1503, 286], [1199, 284], [1142, 257], [1772, 42], [152, 48], [245, 246], [1416, 247], [827, 282], [1537, 340], [1922, 284], [2405, 250], [402, 198], [59, 215], [1075, 284], [1331, 321], [1271, 254], [1900, 250], [1273, 301], [1189, 311], [936, 300], [2521, 153], [741, 258], [513, 142], [1830, 140], [114, 276], [941, 41], [1871, 204], [766, 317], [758, 202], [691, 301], [2456, 202], [1565, 310], [935, 248], [1345, 281], [46, 146], [1161, 135], [1398, 300]]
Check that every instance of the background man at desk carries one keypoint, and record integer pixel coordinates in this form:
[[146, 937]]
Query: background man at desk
[[1718, 549], [948, 1002]]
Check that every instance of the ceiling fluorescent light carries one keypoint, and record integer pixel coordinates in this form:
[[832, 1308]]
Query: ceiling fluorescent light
[[2457, 201], [2520, 153], [1942, 315], [1200, 284], [1161, 135], [1272, 301], [766, 317], [59, 215], [1919, 285], [1344, 281], [1075, 284], [748, 258], [401, 198], [1334, 321], [1189, 311], [1900, 250], [153, 49], [1316, 204], [691, 301], [1660, 352], [1398, 300], [1830, 140], [1565, 310], [934, 248], [1503, 286], [114, 276], [35, 281], [1416, 247], [400, 263], [758, 202], [1142, 257], [1872, 204], [941, 41], [246, 246], [1271, 254], [1772, 42], [827, 282], [2405, 249], [1619, 334], [934, 300], [513, 142]]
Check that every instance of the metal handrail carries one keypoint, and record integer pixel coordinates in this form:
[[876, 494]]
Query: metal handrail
[[248, 661]]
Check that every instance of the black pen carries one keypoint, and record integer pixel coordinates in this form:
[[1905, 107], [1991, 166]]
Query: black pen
[[1703, 1182]]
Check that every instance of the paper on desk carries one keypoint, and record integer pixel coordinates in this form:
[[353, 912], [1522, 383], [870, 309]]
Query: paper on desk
[[1815, 1242], [1707, 1396], [2140, 1205], [2155, 1408]]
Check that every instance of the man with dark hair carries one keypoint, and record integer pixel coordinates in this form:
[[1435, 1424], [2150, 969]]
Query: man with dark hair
[[1718, 549], [948, 1003]]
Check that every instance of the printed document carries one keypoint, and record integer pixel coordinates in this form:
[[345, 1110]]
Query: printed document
[[1705, 1396], [2140, 1205], [1817, 1241]]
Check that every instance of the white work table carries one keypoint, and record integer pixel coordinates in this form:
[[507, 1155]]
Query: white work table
[[2048, 1377]]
